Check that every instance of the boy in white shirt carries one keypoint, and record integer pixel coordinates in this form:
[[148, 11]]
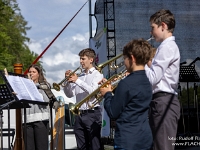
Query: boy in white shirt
[[163, 74], [87, 125]]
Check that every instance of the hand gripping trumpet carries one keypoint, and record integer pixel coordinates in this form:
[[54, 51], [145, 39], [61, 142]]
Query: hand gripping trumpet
[[114, 80], [56, 86]]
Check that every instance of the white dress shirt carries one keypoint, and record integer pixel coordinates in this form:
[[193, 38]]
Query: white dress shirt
[[164, 71], [84, 85]]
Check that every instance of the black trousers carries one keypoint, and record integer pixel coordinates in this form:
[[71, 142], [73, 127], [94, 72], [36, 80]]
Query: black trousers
[[164, 114], [37, 135], [87, 130]]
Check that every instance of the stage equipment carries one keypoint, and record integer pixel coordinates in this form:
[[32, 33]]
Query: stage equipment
[[114, 80], [188, 74]]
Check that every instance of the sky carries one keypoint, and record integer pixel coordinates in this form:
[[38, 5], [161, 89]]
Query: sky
[[46, 19]]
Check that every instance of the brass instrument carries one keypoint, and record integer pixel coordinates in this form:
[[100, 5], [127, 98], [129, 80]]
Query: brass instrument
[[56, 86], [99, 67], [75, 108], [114, 80], [102, 65]]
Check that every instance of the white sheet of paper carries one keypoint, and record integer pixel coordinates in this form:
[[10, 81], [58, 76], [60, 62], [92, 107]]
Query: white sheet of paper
[[25, 88]]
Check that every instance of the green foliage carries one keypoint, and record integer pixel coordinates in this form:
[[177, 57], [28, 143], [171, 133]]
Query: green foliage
[[189, 96], [13, 27]]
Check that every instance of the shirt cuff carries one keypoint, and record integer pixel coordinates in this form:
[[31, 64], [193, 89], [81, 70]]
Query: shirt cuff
[[78, 82]]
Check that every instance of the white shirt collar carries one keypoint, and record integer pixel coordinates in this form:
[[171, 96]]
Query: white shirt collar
[[90, 70]]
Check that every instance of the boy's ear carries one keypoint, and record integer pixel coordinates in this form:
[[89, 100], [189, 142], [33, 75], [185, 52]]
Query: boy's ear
[[164, 25], [133, 58], [91, 60]]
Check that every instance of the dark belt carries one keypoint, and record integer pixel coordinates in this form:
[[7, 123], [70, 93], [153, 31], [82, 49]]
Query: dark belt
[[89, 110], [161, 94]]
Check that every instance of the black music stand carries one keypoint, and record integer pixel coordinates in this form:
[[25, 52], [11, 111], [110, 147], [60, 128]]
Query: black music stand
[[7, 101], [188, 74], [24, 102]]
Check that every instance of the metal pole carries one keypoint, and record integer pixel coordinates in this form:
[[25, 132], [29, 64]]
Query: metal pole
[[90, 20], [1, 132]]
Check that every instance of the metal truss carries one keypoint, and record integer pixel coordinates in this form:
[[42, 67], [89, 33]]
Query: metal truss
[[109, 23]]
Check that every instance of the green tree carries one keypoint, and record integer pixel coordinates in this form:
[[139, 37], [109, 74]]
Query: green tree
[[13, 27], [189, 96]]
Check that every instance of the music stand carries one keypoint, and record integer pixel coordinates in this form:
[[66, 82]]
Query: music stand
[[188, 74], [7, 101], [24, 102]]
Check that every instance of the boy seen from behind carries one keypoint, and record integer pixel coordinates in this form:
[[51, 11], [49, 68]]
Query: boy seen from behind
[[129, 105]]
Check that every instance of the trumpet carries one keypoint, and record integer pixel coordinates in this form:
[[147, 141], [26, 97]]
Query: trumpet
[[114, 80], [99, 67], [56, 86], [102, 65]]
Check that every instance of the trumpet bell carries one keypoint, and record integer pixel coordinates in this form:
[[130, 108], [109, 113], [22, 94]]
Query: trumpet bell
[[74, 109], [56, 86]]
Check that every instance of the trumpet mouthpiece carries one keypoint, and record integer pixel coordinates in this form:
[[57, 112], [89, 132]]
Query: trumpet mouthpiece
[[151, 38]]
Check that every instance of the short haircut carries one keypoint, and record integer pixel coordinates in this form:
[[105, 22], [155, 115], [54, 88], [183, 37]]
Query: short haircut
[[140, 49], [164, 16], [88, 52], [41, 78]]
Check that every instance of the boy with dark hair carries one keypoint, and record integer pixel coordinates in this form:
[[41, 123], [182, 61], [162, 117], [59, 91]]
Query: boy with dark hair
[[129, 105], [87, 125], [163, 74]]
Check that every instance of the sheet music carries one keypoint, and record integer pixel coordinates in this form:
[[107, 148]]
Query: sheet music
[[25, 88]]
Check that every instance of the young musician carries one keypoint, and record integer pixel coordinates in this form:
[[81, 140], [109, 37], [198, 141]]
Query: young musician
[[37, 120], [164, 77], [129, 105], [87, 125]]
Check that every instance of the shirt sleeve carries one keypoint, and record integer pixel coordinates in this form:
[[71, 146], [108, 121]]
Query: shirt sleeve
[[159, 65], [69, 89], [114, 105], [94, 85]]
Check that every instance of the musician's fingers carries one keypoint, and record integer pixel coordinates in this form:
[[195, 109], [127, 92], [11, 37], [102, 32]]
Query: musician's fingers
[[102, 81], [103, 90], [67, 73], [29, 75]]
